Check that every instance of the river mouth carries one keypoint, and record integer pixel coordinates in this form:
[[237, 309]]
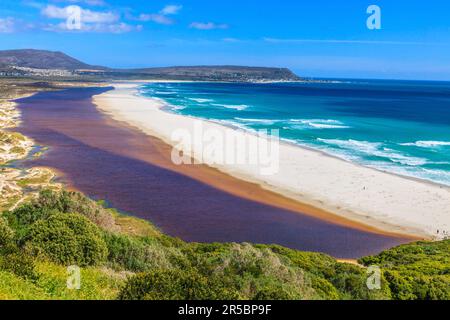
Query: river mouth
[[108, 160]]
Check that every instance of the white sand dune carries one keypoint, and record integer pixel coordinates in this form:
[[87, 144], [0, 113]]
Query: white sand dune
[[382, 200]]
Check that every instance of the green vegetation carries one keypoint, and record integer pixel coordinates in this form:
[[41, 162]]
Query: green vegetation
[[67, 239], [176, 285], [416, 271], [6, 233], [18, 150], [127, 258], [42, 178]]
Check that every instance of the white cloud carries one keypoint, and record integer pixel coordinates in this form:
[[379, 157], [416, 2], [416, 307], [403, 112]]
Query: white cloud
[[98, 27], [171, 9], [87, 16], [158, 18], [91, 21], [7, 25], [207, 26], [162, 16]]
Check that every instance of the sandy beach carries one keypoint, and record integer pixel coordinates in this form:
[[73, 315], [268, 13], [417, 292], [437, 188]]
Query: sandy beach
[[346, 191], [18, 184]]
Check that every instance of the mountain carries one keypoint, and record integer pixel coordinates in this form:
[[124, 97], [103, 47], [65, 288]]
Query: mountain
[[50, 64], [40, 59], [222, 73]]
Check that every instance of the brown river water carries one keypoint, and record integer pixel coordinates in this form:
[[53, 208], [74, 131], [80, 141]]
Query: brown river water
[[108, 160]]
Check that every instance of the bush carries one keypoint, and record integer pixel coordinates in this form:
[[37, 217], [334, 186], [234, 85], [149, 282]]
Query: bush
[[253, 271], [24, 216], [274, 293], [351, 280], [175, 285], [418, 270], [67, 239], [331, 279], [6, 234], [50, 202], [133, 254], [17, 262]]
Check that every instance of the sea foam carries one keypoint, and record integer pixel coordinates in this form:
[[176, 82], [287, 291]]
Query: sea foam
[[231, 106], [319, 123], [427, 144], [200, 100], [299, 124], [375, 149]]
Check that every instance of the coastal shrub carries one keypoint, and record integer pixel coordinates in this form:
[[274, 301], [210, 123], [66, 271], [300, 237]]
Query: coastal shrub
[[274, 293], [332, 279], [176, 285], [418, 287], [170, 268], [134, 254], [315, 263], [429, 258], [75, 202], [419, 270], [24, 216], [18, 262], [432, 288], [67, 239], [253, 271], [351, 280], [50, 202], [6, 233]]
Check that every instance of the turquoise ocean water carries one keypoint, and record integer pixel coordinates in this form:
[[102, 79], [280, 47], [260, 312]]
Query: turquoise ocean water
[[401, 127]]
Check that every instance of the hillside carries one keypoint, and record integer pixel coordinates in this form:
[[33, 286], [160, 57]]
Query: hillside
[[49, 64], [222, 73], [40, 59], [126, 258]]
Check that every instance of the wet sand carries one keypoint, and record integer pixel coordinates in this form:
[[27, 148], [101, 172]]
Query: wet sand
[[107, 159]]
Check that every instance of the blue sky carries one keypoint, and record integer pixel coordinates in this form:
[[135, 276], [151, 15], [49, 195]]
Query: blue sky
[[322, 38]]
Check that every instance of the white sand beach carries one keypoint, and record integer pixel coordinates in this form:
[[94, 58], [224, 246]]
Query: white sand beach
[[382, 200]]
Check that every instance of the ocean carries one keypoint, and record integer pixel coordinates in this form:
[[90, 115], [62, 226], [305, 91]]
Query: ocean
[[402, 127]]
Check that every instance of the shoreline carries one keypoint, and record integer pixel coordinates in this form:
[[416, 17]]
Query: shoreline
[[191, 202], [393, 217], [19, 184]]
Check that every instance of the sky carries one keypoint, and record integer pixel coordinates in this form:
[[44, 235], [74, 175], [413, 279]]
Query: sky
[[321, 38]]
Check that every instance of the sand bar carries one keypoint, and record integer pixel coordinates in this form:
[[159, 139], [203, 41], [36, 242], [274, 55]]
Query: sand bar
[[377, 199]]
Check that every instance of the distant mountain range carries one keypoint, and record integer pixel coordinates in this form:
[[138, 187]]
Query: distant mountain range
[[39, 59], [50, 64]]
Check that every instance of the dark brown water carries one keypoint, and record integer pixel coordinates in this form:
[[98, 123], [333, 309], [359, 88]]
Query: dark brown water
[[101, 158]]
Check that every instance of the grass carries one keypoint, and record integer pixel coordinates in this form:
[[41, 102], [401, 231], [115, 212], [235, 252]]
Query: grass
[[44, 178], [13, 287], [96, 284], [132, 226]]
